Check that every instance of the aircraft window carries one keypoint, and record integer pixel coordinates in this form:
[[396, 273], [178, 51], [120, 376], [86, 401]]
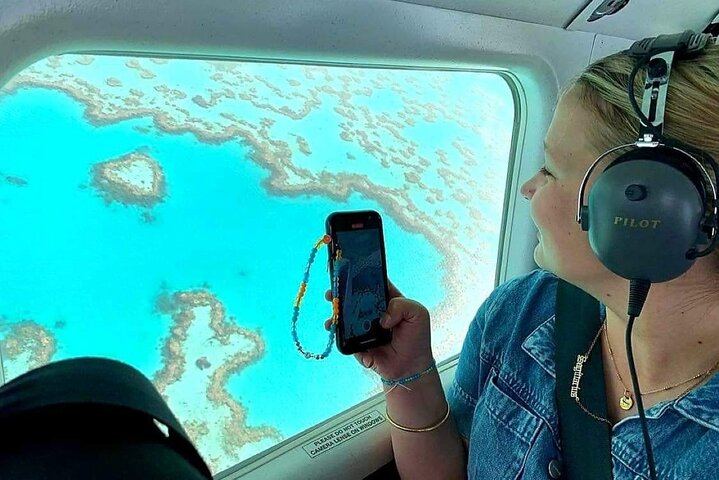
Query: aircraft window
[[161, 212]]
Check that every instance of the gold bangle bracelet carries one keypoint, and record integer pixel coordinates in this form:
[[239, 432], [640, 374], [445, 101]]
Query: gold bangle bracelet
[[427, 429]]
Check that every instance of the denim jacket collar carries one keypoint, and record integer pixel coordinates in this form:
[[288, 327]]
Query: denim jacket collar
[[540, 346], [700, 405]]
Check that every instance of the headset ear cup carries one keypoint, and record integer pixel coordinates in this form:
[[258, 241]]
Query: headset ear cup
[[584, 215], [641, 237]]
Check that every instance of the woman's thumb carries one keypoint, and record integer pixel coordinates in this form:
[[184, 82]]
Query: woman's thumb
[[401, 309], [394, 314], [386, 320]]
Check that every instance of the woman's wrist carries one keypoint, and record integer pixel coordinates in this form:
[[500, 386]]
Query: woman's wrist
[[417, 366], [403, 382], [422, 406]]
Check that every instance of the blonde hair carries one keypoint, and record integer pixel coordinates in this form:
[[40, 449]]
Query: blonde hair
[[692, 108]]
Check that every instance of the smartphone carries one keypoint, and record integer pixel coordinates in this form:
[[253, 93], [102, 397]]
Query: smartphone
[[363, 288]]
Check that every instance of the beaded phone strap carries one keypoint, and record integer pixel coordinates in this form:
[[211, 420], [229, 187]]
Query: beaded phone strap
[[325, 240]]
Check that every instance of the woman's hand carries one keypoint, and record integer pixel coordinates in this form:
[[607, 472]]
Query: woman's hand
[[410, 351]]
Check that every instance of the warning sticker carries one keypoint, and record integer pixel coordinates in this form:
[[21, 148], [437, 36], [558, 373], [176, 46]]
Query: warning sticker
[[341, 434]]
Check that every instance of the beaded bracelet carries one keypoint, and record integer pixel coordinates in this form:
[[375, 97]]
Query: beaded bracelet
[[403, 381], [325, 240]]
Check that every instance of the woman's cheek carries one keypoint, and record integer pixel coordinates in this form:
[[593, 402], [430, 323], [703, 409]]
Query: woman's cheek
[[540, 209]]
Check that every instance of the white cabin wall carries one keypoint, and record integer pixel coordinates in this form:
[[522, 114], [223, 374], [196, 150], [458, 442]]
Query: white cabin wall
[[543, 12], [605, 45], [365, 31], [648, 18]]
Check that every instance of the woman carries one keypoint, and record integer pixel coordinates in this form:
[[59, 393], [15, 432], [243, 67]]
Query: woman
[[503, 421]]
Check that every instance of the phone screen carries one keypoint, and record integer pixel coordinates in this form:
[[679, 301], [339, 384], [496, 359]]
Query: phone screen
[[362, 284], [362, 279]]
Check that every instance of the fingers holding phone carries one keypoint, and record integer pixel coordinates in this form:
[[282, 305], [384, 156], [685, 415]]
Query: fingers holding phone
[[384, 330], [410, 350]]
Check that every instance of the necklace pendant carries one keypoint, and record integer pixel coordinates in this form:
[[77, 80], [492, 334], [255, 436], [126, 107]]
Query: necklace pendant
[[626, 402]]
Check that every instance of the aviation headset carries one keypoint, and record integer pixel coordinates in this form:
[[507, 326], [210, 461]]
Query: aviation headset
[[653, 211], [650, 210]]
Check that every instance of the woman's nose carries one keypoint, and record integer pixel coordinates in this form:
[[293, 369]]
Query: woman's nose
[[528, 189]]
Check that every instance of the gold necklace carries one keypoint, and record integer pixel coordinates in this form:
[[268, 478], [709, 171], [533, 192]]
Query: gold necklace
[[577, 378], [627, 401]]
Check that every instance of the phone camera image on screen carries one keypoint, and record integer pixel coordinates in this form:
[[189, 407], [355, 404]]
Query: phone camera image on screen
[[361, 281]]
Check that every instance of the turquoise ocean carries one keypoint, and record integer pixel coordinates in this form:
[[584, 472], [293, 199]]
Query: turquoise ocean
[[90, 272]]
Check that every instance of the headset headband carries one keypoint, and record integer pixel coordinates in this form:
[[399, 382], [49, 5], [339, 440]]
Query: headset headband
[[661, 51]]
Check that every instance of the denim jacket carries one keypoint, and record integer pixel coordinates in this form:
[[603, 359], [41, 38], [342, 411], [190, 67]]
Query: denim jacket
[[502, 399]]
